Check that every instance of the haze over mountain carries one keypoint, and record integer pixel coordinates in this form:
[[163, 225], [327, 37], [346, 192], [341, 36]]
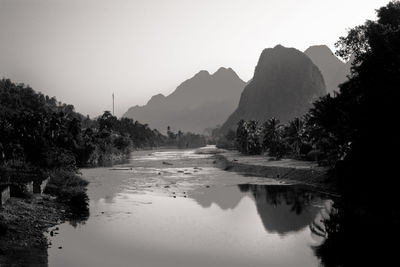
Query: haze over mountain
[[284, 85], [200, 102], [334, 70]]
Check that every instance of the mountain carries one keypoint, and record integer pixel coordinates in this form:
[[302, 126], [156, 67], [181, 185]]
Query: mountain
[[284, 85], [334, 71], [200, 102]]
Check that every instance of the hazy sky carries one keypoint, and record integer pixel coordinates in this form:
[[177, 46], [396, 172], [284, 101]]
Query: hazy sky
[[82, 50]]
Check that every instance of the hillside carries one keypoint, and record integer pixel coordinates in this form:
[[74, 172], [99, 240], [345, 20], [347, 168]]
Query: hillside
[[284, 85], [334, 70], [203, 101]]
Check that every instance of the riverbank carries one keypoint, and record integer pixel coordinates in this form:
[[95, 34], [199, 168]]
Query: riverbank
[[23, 222], [287, 170]]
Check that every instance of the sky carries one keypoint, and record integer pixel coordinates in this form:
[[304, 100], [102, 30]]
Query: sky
[[81, 51]]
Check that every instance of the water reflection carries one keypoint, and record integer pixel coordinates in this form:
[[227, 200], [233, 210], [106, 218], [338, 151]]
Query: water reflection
[[225, 197], [331, 228], [283, 209], [78, 209], [151, 214]]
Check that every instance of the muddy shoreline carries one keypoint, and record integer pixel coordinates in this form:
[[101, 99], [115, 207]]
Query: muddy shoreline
[[23, 224]]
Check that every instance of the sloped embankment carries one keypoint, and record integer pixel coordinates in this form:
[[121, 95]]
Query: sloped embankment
[[288, 170]]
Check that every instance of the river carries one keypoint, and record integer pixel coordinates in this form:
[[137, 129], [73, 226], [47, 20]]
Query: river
[[176, 208]]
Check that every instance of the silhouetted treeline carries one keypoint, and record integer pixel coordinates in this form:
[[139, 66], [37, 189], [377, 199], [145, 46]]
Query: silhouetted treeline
[[301, 138], [363, 121], [36, 130], [185, 140], [355, 132], [296, 139]]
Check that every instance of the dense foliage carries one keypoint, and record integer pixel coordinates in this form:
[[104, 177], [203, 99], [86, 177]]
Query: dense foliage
[[37, 130], [247, 137], [277, 140], [355, 132], [184, 140], [362, 120]]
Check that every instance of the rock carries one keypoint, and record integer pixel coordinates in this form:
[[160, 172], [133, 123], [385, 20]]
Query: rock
[[284, 85], [334, 70]]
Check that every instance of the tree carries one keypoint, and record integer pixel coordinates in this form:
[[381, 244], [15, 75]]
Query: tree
[[272, 138], [363, 119], [241, 137], [253, 138], [171, 135], [294, 135], [107, 122]]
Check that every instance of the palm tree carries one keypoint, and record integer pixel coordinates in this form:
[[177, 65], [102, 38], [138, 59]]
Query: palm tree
[[270, 132], [294, 135], [253, 137], [272, 140]]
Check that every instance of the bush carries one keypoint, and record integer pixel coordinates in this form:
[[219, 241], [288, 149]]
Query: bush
[[70, 189], [65, 185]]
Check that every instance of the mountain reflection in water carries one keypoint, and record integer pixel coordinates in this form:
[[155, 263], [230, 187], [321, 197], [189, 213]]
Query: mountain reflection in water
[[190, 213], [283, 209]]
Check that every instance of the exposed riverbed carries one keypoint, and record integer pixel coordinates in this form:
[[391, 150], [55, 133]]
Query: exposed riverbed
[[176, 208]]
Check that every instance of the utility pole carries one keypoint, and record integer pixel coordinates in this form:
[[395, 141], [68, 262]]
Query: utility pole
[[113, 102]]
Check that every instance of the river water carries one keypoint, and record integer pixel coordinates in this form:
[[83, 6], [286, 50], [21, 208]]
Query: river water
[[176, 208]]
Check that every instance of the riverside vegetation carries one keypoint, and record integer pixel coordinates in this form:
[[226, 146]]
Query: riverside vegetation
[[354, 133], [40, 138]]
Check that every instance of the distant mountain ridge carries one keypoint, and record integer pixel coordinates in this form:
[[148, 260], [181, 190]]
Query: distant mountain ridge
[[334, 70], [203, 101], [285, 84]]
